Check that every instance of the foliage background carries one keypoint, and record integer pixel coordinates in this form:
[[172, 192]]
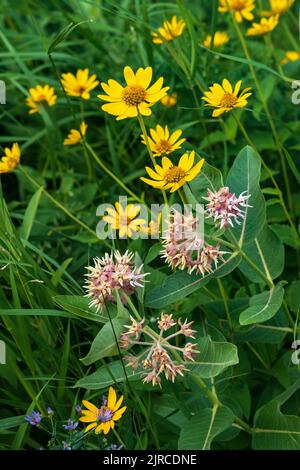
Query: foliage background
[[253, 388]]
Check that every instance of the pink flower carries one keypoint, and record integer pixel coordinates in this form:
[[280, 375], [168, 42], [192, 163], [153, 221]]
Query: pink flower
[[112, 272], [225, 207]]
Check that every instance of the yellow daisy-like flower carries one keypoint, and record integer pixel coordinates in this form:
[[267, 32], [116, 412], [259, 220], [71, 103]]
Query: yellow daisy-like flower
[[170, 30], [161, 142], [125, 219], [220, 39], [80, 84], [240, 8], [40, 95], [169, 100], [170, 176], [224, 98], [265, 26], [290, 56], [135, 97], [75, 136], [11, 158], [278, 7], [103, 418]]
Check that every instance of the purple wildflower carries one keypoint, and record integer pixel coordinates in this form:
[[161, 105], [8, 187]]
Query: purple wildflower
[[78, 408], [34, 419], [71, 425]]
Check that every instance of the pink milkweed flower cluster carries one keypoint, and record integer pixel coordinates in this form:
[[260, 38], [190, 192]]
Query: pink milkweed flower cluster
[[158, 356], [185, 249], [225, 207], [110, 273]]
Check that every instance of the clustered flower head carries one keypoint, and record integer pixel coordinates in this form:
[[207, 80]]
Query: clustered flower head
[[112, 272], [220, 38], [125, 219], [136, 97], [162, 142], [241, 9], [11, 158], [158, 356], [170, 30], [79, 85], [266, 25], [185, 249], [103, 418], [75, 136], [173, 177], [224, 98], [40, 95], [225, 207]]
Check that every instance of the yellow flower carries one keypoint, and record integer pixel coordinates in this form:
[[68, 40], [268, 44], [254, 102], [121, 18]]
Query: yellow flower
[[153, 229], [290, 56], [135, 97], [240, 8], [170, 30], [103, 419], [75, 136], [278, 7], [124, 219], [11, 158], [224, 98], [169, 100], [161, 142], [79, 85], [38, 96], [169, 176], [265, 26], [219, 39]]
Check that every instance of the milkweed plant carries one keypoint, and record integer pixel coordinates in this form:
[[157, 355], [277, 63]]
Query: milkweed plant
[[149, 208]]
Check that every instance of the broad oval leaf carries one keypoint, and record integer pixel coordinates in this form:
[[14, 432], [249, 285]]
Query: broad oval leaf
[[180, 284], [244, 175], [104, 345], [204, 427], [261, 251], [213, 357], [107, 375], [263, 306]]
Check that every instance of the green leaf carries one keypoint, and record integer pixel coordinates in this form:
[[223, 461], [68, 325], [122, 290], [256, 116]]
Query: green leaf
[[261, 251], [274, 430], [209, 178], [30, 214], [213, 357], [204, 427], [263, 306], [244, 175], [104, 345], [107, 375], [286, 235], [293, 297], [180, 284], [79, 306]]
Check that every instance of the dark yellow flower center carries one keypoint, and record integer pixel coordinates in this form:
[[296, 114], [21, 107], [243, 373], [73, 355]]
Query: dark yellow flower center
[[228, 100], [174, 174], [41, 98], [238, 4], [163, 146], [124, 220], [134, 95]]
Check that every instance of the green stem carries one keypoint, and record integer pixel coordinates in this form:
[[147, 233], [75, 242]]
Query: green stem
[[252, 144], [57, 203], [86, 156], [267, 111], [111, 174], [224, 297]]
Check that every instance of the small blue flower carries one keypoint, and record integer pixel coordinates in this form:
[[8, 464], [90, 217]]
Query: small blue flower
[[71, 425], [50, 411], [78, 408], [34, 419]]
